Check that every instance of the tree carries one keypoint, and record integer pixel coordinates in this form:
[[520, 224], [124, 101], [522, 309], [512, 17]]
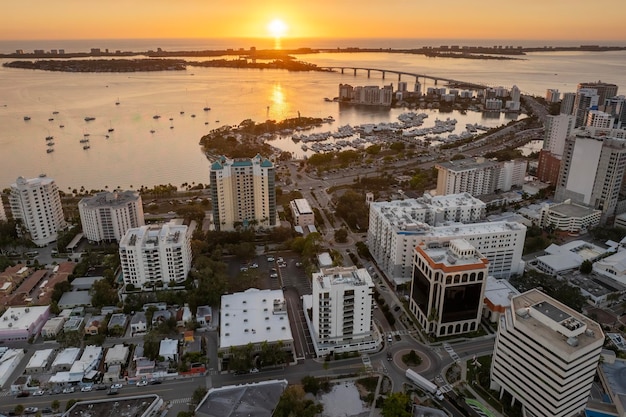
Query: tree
[[103, 294], [586, 267], [70, 403], [341, 235], [19, 409], [293, 404], [198, 395], [56, 405], [396, 405], [310, 384]]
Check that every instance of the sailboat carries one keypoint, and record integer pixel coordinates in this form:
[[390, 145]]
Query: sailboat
[[110, 127], [117, 102]]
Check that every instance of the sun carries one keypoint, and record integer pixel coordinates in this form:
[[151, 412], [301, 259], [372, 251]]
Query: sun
[[277, 28]]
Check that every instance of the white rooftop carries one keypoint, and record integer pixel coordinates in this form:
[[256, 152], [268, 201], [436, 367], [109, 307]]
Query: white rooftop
[[66, 357], [118, 353], [21, 318], [150, 236], [40, 358], [570, 255], [459, 229], [498, 292], [253, 316], [89, 360], [303, 206], [349, 276], [324, 259], [168, 347]]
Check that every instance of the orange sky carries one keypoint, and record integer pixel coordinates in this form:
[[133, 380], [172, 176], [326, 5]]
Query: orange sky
[[454, 19]]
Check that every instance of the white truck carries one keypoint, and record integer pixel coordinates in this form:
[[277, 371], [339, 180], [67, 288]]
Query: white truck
[[424, 384]]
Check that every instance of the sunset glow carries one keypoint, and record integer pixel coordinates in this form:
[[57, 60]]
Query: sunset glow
[[277, 28]]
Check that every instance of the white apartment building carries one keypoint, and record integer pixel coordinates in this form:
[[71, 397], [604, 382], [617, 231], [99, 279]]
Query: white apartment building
[[370, 94], [150, 254], [243, 193], [586, 99], [553, 95], [448, 287], [107, 216], [341, 307], [302, 212], [479, 176], [392, 245], [567, 103], [36, 203], [597, 118], [592, 169], [558, 129], [546, 355], [392, 223]]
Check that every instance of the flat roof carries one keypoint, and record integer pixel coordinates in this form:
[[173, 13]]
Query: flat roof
[[40, 358], [253, 316], [110, 199], [154, 235], [117, 353], [75, 298], [499, 291], [303, 206], [468, 164], [572, 210], [341, 275], [131, 406], [21, 318], [554, 323], [251, 400], [66, 356]]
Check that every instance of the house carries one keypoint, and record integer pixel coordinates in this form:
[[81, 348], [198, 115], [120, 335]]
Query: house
[[92, 327], [204, 316], [117, 355], [161, 316], [138, 323], [52, 327], [74, 324], [168, 350], [117, 323], [183, 315]]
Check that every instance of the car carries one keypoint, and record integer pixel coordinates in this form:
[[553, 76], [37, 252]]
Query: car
[[254, 265], [280, 259], [31, 410], [68, 390], [142, 383], [240, 372], [389, 338], [101, 387], [282, 265], [243, 268], [389, 356], [273, 275], [86, 388], [112, 392], [396, 308], [155, 382], [22, 394], [116, 386], [254, 371], [298, 264], [46, 410], [270, 259], [38, 393]]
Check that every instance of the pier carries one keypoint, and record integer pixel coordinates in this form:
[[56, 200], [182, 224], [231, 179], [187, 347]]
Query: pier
[[384, 72]]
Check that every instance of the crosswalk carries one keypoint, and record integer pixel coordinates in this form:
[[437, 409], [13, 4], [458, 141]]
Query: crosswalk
[[452, 353], [180, 400]]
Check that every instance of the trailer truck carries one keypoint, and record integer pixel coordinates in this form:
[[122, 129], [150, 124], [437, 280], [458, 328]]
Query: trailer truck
[[424, 384]]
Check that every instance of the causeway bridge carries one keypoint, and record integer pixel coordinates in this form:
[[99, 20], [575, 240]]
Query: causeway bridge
[[384, 72]]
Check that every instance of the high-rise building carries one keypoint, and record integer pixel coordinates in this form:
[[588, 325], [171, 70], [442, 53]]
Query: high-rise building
[[3, 215], [36, 204], [545, 355], [392, 223], [342, 310], [243, 193], [616, 107], [448, 287], [107, 216], [603, 90], [553, 95], [567, 103], [479, 176], [592, 169], [597, 118], [586, 99], [558, 128], [548, 167], [156, 253]]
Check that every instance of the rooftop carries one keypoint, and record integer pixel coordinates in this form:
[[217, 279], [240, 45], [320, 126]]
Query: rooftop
[[460, 254], [134, 406], [253, 316], [303, 206], [572, 210], [250, 400], [110, 199], [554, 323], [350, 276], [21, 318], [147, 236], [468, 164]]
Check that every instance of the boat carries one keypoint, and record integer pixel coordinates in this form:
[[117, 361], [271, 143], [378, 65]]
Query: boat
[[106, 136], [206, 123], [26, 118], [49, 137], [152, 131], [117, 103], [51, 119], [85, 140], [86, 147], [182, 112], [55, 112], [171, 118], [193, 115], [50, 143], [111, 129], [156, 116], [89, 119], [86, 135], [171, 127], [50, 150], [61, 126], [206, 108]]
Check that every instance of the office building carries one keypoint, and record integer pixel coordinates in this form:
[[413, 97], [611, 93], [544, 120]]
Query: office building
[[342, 311], [302, 213], [592, 169], [616, 107], [107, 216], [243, 193], [603, 90], [448, 287], [156, 253], [36, 204], [479, 176], [392, 223], [567, 103], [545, 356], [586, 99], [253, 318]]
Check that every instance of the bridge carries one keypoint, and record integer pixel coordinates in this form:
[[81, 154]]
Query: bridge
[[384, 72]]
